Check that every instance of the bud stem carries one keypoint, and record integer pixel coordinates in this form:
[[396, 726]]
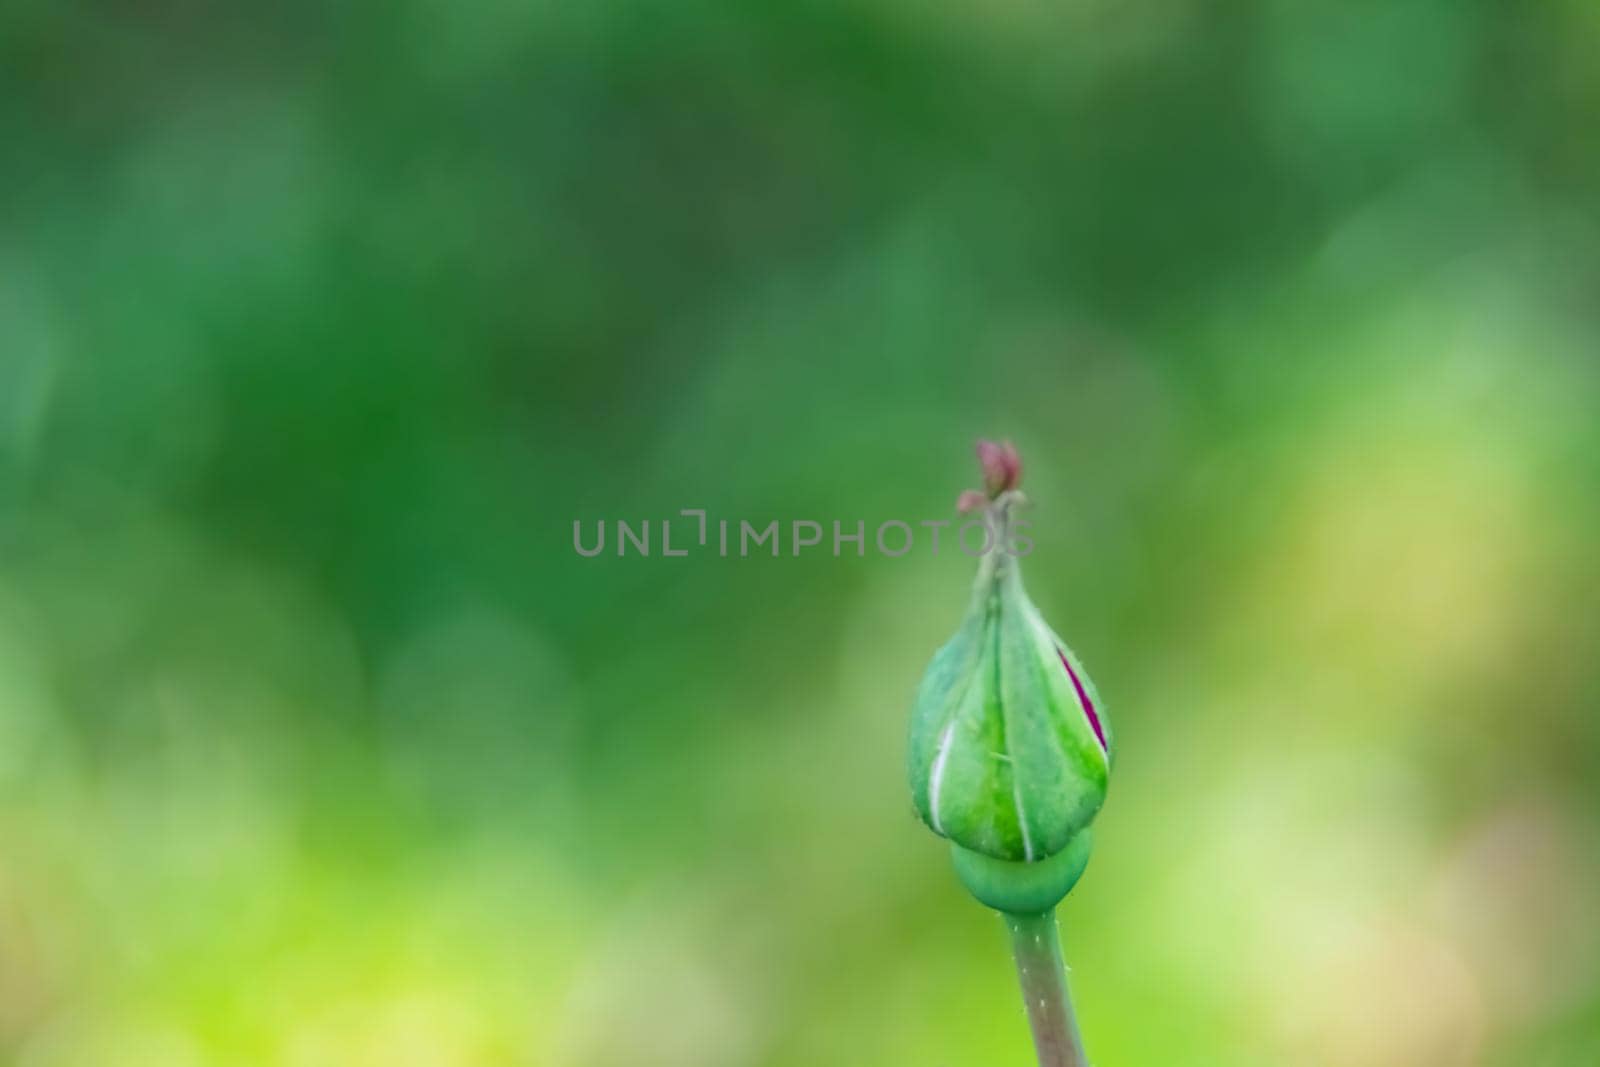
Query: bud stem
[[1043, 974], [996, 564]]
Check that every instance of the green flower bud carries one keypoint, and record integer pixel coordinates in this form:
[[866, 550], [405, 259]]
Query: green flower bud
[[1010, 750]]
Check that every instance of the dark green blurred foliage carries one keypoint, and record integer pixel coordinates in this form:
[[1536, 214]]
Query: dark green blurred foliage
[[320, 324]]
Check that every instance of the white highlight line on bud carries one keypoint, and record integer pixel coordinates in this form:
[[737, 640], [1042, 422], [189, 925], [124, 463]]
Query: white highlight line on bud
[[1022, 820], [936, 777]]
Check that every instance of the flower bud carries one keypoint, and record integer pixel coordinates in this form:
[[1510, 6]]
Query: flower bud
[[1010, 751], [1002, 467]]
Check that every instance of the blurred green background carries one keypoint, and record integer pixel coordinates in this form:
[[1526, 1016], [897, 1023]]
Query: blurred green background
[[320, 324]]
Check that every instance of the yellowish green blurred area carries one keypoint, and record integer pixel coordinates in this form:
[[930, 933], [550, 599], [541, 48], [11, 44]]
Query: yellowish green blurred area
[[320, 325]]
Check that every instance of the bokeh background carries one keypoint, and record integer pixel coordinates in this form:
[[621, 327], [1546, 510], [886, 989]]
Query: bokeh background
[[321, 324]]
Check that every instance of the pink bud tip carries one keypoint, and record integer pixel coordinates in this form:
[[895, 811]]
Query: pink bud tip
[[1002, 467]]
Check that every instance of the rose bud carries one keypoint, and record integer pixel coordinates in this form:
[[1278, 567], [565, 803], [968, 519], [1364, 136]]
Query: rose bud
[[1010, 750], [1002, 467]]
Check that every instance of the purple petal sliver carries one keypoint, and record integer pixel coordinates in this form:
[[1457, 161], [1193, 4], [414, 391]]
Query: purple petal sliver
[[1083, 698]]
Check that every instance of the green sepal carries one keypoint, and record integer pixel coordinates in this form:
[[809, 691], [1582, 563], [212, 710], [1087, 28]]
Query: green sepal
[[1023, 888]]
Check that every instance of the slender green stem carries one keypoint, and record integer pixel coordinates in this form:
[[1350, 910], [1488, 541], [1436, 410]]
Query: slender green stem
[[1043, 974]]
